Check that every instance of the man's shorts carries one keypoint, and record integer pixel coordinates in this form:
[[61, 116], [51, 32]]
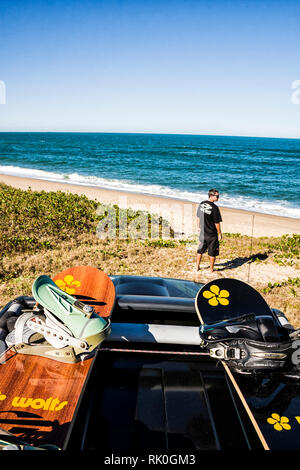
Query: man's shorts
[[209, 244]]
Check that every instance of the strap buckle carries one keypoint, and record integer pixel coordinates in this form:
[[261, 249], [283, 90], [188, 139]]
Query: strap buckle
[[225, 352]]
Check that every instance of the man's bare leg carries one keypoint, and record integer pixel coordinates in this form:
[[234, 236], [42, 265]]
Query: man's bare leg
[[198, 260], [212, 260]]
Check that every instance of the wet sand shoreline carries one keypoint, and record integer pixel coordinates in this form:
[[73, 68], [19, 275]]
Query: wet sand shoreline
[[181, 214]]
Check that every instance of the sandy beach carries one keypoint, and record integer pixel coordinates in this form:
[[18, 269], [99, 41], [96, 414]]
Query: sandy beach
[[181, 214]]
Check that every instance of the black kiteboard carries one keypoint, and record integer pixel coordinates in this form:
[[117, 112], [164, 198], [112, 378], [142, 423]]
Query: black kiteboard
[[225, 299], [271, 400]]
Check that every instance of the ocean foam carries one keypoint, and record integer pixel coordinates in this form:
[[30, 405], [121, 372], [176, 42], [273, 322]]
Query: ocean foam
[[280, 207]]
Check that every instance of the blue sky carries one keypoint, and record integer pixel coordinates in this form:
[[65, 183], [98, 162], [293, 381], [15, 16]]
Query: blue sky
[[199, 67]]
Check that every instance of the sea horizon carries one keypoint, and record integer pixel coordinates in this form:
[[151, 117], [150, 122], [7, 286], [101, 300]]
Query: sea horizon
[[150, 133]]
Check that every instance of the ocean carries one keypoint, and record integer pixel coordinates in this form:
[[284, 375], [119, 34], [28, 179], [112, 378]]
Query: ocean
[[256, 174]]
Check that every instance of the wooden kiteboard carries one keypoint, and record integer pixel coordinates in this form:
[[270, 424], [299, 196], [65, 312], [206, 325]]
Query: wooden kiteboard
[[39, 396], [272, 401]]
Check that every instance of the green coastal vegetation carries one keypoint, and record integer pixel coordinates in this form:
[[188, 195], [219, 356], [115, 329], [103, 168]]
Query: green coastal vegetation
[[46, 232]]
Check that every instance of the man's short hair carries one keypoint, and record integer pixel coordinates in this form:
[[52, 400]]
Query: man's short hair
[[212, 192]]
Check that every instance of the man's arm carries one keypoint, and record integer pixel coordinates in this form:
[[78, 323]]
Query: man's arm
[[218, 227]]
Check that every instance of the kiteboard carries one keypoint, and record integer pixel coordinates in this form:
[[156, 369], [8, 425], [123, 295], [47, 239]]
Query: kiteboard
[[39, 392], [271, 399]]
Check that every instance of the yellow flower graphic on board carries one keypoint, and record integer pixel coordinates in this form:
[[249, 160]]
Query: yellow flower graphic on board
[[279, 422], [68, 284], [216, 296]]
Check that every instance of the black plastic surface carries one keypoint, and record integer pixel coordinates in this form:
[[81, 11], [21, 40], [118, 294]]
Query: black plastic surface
[[141, 401]]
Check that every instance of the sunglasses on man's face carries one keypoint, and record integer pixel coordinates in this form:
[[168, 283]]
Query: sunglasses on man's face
[[217, 196]]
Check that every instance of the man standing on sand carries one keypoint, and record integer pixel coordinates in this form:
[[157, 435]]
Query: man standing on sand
[[208, 222]]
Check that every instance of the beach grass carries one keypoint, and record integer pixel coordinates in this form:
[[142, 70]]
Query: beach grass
[[47, 232]]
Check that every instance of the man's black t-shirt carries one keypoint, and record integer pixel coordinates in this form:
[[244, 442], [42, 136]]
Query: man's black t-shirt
[[209, 215]]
